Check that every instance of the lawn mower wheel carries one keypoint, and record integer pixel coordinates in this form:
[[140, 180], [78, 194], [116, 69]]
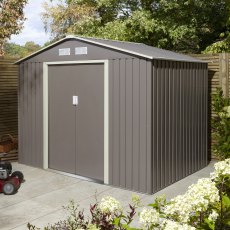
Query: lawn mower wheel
[[9, 188]]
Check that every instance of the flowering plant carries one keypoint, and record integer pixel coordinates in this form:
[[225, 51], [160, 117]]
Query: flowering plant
[[149, 218], [104, 215], [205, 205], [110, 205]]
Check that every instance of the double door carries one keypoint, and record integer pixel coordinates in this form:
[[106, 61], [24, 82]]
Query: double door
[[76, 119]]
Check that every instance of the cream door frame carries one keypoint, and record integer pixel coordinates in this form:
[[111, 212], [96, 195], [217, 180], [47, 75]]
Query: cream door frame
[[106, 111]]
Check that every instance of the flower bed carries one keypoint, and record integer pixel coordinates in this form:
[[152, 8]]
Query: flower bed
[[205, 205]]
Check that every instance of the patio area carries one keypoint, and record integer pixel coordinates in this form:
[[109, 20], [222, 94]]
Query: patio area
[[41, 198]]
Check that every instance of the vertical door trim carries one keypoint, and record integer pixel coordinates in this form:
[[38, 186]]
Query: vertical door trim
[[106, 111]]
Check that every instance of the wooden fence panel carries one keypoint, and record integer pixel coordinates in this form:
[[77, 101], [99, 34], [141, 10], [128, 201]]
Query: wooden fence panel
[[219, 71], [219, 76], [9, 101]]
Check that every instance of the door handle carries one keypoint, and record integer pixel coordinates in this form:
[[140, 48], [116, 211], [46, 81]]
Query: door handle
[[75, 100]]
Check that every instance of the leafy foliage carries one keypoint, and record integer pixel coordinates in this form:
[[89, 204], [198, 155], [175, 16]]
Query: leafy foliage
[[219, 47], [222, 43], [99, 220], [185, 26], [61, 17], [221, 124], [11, 19], [17, 51]]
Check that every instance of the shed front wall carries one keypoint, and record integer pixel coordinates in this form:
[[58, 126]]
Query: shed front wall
[[131, 124], [31, 113], [130, 107], [94, 52], [180, 102]]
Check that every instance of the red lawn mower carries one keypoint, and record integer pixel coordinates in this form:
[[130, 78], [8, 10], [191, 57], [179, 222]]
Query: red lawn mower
[[9, 182]]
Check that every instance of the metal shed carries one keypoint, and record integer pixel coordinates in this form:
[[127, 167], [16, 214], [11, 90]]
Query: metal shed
[[122, 113]]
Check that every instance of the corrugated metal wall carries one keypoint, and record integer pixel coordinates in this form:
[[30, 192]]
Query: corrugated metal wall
[[31, 114], [130, 121], [130, 124], [180, 93], [158, 125]]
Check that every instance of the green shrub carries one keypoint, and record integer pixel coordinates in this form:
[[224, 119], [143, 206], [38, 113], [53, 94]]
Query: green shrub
[[221, 125]]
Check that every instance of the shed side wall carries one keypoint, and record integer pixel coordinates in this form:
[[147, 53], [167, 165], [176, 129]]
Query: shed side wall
[[179, 121]]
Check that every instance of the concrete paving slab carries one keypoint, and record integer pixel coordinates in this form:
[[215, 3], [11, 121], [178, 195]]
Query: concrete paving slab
[[19, 214], [7, 201], [41, 198], [77, 192], [53, 182], [50, 218], [181, 186]]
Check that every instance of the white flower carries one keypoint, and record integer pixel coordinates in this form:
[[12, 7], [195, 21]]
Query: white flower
[[110, 205], [203, 193], [172, 225], [148, 217], [213, 216], [179, 207], [222, 168], [198, 197]]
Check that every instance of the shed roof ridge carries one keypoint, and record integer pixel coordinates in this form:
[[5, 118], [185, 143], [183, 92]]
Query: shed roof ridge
[[136, 49], [103, 39], [128, 42], [160, 57]]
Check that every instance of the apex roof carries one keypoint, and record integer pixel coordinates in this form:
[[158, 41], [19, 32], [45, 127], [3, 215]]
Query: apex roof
[[138, 49]]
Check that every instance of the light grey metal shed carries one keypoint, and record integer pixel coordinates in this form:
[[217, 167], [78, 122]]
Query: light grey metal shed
[[123, 113]]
